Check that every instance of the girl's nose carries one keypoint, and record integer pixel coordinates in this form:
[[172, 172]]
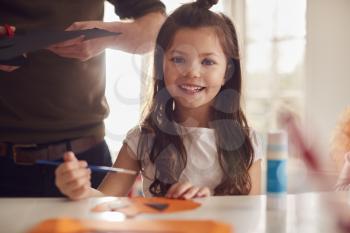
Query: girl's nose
[[193, 70]]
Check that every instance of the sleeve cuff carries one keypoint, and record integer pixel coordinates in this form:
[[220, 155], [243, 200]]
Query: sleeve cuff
[[137, 8]]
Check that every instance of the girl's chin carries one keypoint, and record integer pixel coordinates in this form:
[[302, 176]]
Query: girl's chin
[[191, 105]]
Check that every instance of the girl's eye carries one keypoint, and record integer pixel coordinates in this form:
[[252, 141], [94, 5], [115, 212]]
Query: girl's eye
[[208, 62], [178, 60]]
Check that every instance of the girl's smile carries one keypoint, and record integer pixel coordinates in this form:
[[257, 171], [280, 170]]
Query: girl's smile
[[191, 89]]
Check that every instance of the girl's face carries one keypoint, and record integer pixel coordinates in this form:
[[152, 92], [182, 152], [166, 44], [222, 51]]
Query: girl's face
[[194, 67]]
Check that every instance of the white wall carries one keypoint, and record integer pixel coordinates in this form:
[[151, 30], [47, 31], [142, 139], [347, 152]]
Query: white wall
[[327, 65]]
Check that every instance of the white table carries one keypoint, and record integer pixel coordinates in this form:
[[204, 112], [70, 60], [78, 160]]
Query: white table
[[302, 212]]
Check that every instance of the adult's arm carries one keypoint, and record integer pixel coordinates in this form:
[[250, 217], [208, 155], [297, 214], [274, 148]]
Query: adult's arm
[[139, 27]]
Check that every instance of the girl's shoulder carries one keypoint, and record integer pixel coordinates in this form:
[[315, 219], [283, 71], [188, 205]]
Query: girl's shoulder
[[136, 131], [133, 136]]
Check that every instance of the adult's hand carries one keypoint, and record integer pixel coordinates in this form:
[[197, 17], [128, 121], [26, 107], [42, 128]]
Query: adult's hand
[[137, 36], [79, 48], [6, 68]]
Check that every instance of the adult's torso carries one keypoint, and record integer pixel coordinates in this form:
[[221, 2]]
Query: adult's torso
[[51, 98]]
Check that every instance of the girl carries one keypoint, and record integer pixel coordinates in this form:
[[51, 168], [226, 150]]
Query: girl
[[193, 140]]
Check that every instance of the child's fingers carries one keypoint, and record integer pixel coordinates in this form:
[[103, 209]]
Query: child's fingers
[[80, 193], [63, 178], [68, 188], [203, 192], [71, 166], [77, 183], [172, 189], [179, 190], [77, 174], [69, 156], [190, 193], [66, 171]]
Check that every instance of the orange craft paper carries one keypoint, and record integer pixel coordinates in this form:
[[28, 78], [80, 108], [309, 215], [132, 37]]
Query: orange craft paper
[[68, 225], [138, 205]]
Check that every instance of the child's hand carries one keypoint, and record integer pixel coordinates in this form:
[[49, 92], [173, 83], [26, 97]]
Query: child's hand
[[187, 191], [73, 177], [343, 182]]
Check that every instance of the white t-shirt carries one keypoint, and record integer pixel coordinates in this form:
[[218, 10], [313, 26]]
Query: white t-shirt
[[202, 168]]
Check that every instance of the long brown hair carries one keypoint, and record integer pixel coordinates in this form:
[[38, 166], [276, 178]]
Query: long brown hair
[[161, 138]]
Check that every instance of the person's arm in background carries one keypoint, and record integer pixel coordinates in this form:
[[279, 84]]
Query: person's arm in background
[[340, 141], [343, 181], [138, 35], [6, 68]]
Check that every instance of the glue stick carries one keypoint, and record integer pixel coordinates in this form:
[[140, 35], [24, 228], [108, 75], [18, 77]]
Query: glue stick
[[277, 154]]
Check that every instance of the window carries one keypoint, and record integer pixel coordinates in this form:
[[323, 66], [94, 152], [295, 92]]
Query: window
[[274, 55], [273, 60], [123, 83]]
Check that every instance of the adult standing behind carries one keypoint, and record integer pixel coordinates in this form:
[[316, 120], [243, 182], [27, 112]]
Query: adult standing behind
[[55, 102]]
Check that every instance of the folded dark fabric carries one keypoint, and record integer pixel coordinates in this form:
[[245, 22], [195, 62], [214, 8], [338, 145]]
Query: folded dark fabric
[[17, 61], [12, 49]]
